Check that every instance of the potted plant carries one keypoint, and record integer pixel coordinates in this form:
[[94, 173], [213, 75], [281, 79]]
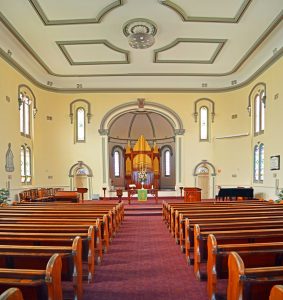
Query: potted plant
[[4, 195]]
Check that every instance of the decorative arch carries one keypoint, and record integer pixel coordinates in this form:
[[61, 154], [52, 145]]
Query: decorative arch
[[115, 148], [23, 88], [142, 105], [196, 104], [72, 108], [80, 164], [166, 147], [205, 162], [258, 88]]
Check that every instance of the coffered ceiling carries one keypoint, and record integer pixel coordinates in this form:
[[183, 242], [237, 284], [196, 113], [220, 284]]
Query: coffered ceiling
[[72, 45]]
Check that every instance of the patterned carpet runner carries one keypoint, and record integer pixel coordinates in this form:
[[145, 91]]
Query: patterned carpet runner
[[144, 263]]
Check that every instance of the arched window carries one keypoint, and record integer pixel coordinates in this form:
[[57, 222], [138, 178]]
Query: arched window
[[28, 165], [23, 172], [256, 163], [117, 163], [203, 121], [25, 114], [259, 109], [167, 163], [80, 124], [80, 115], [259, 163], [26, 158]]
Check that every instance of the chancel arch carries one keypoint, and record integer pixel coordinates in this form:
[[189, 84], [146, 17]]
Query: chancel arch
[[158, 124]]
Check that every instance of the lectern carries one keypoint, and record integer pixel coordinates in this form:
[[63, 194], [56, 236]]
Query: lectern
[[192, 194]]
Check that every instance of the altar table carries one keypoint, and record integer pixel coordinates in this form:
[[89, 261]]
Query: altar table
[[153, 192]]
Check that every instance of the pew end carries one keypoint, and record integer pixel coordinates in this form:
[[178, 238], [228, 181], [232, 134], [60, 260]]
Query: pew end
[[12, 294]]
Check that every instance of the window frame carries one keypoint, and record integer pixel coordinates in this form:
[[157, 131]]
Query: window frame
[[77, 140], [259, 112], [116, 151], [258, 167], [26, 164], [167, 163], [207, 124], [25, 111]]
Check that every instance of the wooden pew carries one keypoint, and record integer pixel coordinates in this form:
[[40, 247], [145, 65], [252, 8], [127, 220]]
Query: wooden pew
[[275, 294], [12, 294], [116, 208], [35, 257], [170, 208], [253, 254], [224, 224], [115, 214], [66, 220], [55, 241], [259, 235], [251, 283], [206, 207], [34, 283], [224, 211], [231, 216], [91, 235]]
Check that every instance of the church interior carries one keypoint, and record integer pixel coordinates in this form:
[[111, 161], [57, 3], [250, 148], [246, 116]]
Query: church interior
[[151, 119]]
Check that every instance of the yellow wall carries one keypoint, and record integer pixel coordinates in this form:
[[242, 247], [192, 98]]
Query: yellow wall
[[55, 152]]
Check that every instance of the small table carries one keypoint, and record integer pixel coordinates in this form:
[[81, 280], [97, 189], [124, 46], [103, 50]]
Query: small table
[[153, 192]]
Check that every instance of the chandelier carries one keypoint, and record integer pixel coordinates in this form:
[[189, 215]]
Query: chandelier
[[140, 33]]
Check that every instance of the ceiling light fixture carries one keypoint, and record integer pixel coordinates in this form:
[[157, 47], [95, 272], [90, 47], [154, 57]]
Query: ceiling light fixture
[[140, 33]]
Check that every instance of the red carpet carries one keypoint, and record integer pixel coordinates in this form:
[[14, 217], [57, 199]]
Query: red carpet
[[144, 263]]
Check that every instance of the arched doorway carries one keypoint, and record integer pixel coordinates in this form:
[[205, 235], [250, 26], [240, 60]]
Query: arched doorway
[[80, 176], [204, 174]]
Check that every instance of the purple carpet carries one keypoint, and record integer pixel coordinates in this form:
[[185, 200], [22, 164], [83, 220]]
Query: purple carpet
[[144, 263]]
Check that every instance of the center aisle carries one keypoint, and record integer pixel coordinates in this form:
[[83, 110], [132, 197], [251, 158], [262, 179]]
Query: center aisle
[[144, 263]]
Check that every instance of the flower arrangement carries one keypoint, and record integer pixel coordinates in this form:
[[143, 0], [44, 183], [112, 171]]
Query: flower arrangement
[[142, 176], [4, 194]]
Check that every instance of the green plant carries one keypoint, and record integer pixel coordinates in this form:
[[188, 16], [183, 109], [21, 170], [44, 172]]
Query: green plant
[[4, 194], [280, 195]]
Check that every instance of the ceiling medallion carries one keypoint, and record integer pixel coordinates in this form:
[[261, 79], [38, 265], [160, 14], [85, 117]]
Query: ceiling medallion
[[140, 33]]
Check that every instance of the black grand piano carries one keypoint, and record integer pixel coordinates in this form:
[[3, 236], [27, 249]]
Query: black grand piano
[[235, 193]]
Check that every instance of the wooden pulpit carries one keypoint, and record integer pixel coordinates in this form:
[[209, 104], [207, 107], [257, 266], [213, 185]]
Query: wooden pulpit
[[192, 194]]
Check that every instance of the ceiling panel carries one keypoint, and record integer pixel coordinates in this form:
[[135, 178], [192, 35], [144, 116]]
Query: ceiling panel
[[70, 42]]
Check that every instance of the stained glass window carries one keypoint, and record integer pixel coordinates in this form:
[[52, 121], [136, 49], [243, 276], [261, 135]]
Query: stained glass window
[[203, 123], [26, 158], [28, 165], [80, 121], [261, 162], [23, 172], [256, 163]]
